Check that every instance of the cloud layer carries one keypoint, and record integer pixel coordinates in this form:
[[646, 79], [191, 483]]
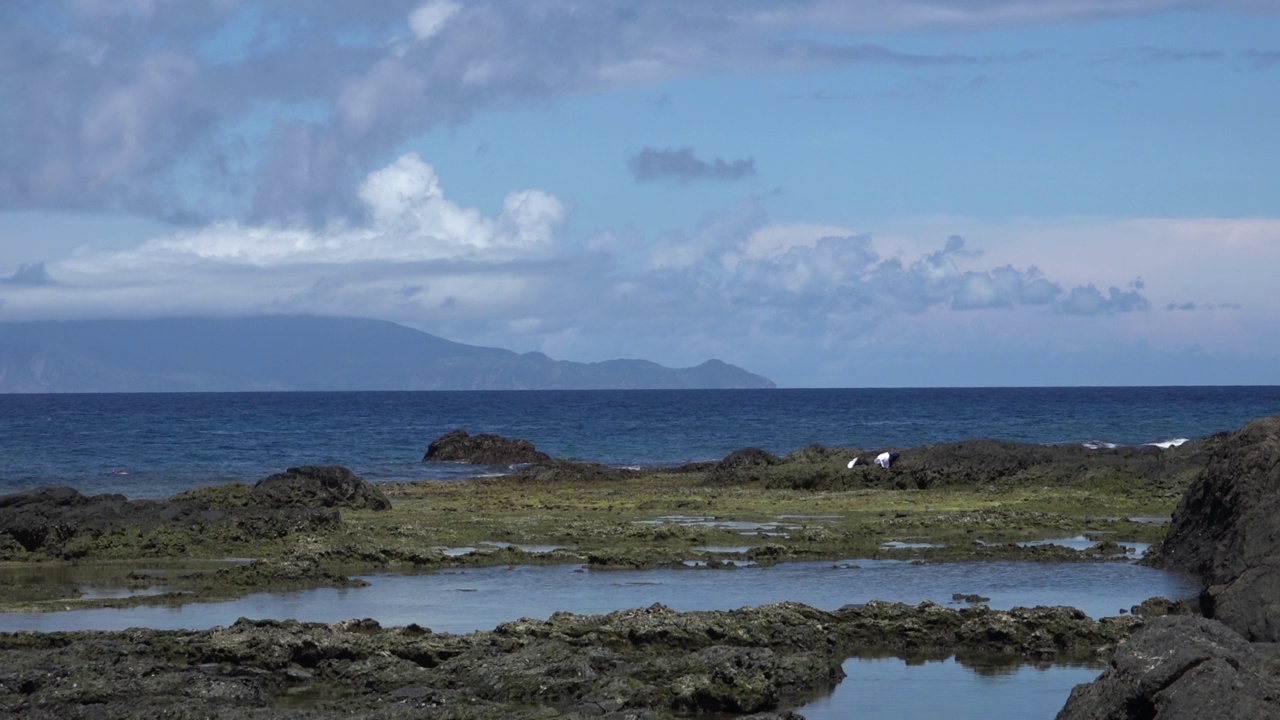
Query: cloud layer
[[208, 109]]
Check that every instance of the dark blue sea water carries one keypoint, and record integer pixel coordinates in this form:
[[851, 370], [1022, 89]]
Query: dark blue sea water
[[151, 445]]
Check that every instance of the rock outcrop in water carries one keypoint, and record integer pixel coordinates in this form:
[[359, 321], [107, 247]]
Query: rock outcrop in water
[[1181, 668], [63, 523], [644, 663], [483, 449], [1227, 531]]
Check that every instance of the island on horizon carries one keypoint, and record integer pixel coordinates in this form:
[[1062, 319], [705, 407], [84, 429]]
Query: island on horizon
[[305, 353]]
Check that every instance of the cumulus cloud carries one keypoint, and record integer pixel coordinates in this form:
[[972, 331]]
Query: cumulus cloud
[[214, 109], [681, 165], [1088, 300]]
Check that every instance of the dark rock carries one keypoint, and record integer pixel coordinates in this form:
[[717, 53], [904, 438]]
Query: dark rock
[[62, 523], [1227, 530], [320, 486], [1159, 607], [644, 663], [748, 457], [967, 463], [1180, 668], [742, 466], [483, 449]]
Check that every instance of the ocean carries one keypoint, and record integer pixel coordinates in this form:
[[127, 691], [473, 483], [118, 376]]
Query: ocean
[[153, 445]]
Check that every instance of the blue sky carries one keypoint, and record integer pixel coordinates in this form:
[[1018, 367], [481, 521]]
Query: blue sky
[[857, 193]]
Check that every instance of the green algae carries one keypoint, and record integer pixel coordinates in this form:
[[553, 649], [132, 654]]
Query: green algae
[[791, 511]]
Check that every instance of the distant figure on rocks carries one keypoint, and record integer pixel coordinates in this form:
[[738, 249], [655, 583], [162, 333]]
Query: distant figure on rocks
[[885, 459]]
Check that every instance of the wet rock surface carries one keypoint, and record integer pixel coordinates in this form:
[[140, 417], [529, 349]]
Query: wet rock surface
[[1227, 531], [483, 449], [1182, 668], [651, 662]]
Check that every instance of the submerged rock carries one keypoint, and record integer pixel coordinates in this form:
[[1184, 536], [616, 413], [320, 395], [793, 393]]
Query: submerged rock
[[483, 449]]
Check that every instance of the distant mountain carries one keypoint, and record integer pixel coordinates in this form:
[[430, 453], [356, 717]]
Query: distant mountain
[[303, 353]]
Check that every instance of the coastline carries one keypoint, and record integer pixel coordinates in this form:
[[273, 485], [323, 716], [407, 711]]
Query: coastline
[[972, 501]]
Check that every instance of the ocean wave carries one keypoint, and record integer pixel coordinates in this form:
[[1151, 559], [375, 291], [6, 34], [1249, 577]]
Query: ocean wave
[[1166, 444], [1099, 445]]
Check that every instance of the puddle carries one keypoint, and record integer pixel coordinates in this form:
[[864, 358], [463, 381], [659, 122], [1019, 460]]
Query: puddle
[[723, 549], [1080, 542], [891, 688], [897, 545], [745, 527], [117, 593], [457, 551], [531, 549]]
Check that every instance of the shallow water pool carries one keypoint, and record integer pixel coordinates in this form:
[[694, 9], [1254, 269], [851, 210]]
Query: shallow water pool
[[462, 601]]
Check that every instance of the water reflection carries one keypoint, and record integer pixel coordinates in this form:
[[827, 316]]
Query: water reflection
[[891, 688], [477, 599]]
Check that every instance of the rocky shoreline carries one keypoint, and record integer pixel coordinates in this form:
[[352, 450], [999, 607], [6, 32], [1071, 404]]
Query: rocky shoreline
[[973, 500]]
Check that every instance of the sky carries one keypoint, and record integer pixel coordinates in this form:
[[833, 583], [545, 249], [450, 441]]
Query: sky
[[852, 193]]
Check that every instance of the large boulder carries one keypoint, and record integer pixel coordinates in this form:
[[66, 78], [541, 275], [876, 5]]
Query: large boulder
[[1180, 668], [46, 516], [1227, 530], [483, 449], [317, 486]]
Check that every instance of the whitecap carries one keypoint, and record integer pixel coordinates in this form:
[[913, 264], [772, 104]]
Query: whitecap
[[1168, 443]]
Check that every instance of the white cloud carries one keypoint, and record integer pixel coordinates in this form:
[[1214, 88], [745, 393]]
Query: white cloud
[[411, 221], [430, 18]]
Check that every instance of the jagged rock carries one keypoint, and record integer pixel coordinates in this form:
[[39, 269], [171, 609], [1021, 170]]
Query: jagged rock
[[1227, 530], [483, 449], [1180, 668], [320, 486], [650, 662], [63, 523]]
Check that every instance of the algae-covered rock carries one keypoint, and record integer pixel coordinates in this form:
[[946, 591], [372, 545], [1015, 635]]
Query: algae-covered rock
[[63, 523], [319, 486], [484, 449], [642, 663]]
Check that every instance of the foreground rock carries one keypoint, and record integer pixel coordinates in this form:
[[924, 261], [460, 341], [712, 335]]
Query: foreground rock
[[65, 524], [1181, 668], [483, 449], [1227, 531], [646, 663]]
